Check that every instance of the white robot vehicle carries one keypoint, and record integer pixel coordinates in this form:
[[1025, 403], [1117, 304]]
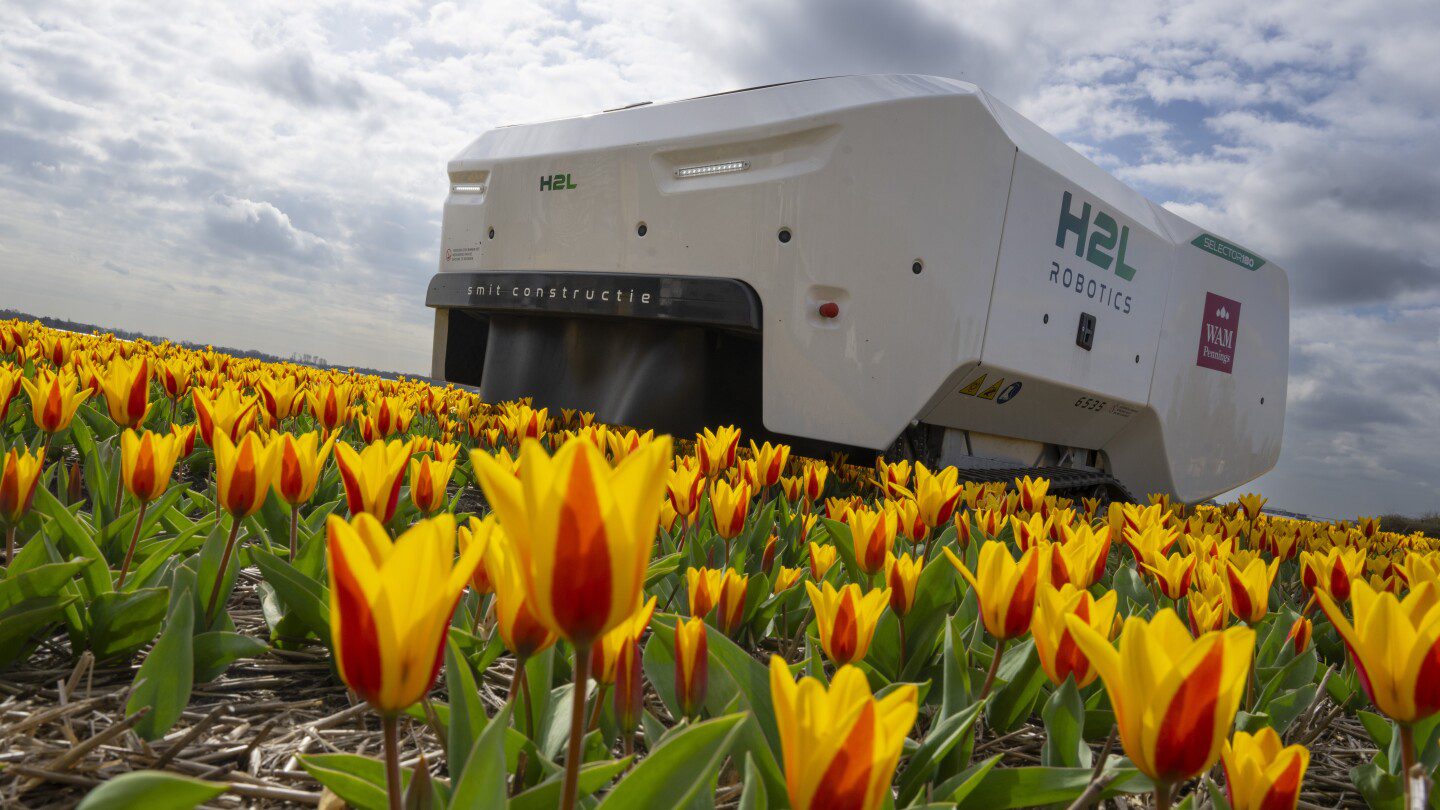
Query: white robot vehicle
[[896, 264]]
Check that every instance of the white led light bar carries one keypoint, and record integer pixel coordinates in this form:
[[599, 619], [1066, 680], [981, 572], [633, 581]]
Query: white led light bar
[[468, 188], [712, 168]]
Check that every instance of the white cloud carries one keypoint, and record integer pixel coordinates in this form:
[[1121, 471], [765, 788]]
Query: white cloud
[[259, 175]]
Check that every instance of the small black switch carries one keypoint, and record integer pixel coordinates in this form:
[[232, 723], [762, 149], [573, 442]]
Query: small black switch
[[1085, 335]]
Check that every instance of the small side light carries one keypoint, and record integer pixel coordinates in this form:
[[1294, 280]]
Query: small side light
[[829, 309], [712, 169]]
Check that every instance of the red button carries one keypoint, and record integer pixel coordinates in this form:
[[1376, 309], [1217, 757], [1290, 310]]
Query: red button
[[829, 309]]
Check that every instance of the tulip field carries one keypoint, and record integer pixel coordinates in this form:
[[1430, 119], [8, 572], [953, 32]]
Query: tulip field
[[232, 583]]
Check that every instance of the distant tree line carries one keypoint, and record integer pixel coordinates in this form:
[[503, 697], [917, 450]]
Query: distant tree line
[[126, 334]]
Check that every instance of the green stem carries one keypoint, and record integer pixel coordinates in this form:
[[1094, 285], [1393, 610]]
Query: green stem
[[392, 761], [294, 530], [10, 545], [134, 539], [994, 668], [1162, 796], [577, 728], [900, 620], [1407, 760], [220, 575]]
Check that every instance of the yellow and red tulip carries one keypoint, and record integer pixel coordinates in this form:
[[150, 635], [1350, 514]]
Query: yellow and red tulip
[[372, 477], [814, 481], [428, 482], [584, 530], [1172, 574], [1004, 586], [703, 589], [1247, 590], [298, 465], [185, 436], [127, 391], [821, 558], [53, 399], [733, 588], [684, 485], [770, 462], [715, 450], [902, 575], [224, 412], [244, 473], [873, 533], [390, 604], [1260, 774], [730, 505], [839, 743], [605, 654], [483, 532], [1032, 492], [1175, 697], [847, 619], [1395, 644], [9, 389], [18, 479], [1060, 656], [1300, 633], [785, 579], [937, 494], [330, 405], [146, 463], [520, 629], [1206, 611], [692, 666]]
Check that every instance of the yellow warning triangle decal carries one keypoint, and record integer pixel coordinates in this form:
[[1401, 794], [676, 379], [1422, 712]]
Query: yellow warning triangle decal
[[974, 387], [992, 390]]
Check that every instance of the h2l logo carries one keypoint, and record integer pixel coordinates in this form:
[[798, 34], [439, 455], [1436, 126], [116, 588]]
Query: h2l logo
[[556, 182], [1102, 239]]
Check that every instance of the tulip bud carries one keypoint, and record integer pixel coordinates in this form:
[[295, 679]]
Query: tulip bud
[[703, 589], [903, 575], [629, 689], [1299, 635], [733, 590], [767, 558], [692, 666]]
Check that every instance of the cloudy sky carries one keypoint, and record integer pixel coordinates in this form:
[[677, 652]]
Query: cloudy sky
[[248, 175]]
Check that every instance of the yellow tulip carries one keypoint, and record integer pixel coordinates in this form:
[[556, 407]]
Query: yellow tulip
[[821, 558], [785, 579], [298, 465], [1175, 697], [839, 743], [1262, 775], [519, 628], [127, 391], [19, 476], [730, 506], [53, 399], [226, 411], [692, 666], [1060, 656], [703, 589], [1247, 590], [1395, 644], [715, 450], [583, 529], [372, 477], [770, 462], [146, 463], [847, 619], [244, 473], [937, 494], [902, 574], [390, 605], [1005, 587], [734, 587], [873, 534], [428, 482]]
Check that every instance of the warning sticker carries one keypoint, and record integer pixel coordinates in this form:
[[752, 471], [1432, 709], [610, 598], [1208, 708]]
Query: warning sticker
[[973, 388], [997, 391], [1217, 333]]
